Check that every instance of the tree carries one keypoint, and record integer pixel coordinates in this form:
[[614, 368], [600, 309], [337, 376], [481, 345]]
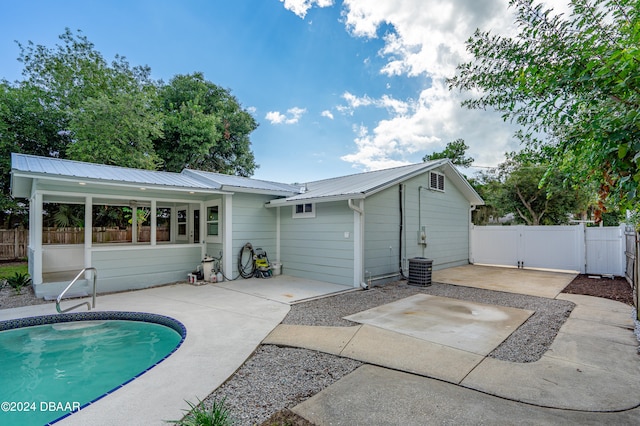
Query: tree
[[28, 124], [205, 128], [572, 82], [74, 104], [117, 131], [523, 186], [454, 151]]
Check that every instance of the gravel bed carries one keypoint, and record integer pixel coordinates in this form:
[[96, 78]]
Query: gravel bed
[[275, 378]]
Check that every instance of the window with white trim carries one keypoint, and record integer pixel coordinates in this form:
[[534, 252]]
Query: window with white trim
[[306, 210], [212, 222], [436, 181]]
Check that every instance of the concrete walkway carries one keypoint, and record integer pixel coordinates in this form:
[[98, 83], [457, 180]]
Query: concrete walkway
[[225, 323], [590, 374]]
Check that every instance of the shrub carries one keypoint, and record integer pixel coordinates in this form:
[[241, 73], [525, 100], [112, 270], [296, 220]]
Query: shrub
[[199, 415], [18, 281]]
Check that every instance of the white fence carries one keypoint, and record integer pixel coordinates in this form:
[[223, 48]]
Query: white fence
[[573, 248]]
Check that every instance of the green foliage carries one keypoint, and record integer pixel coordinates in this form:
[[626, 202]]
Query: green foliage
[[572, 80], [205, 128], [199, 415], [117, 130], [18, 281], [29, 125], [454, 151], [75, 104], [524, 186]]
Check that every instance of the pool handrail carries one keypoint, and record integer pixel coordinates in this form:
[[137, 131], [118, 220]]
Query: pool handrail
[[59, 298]]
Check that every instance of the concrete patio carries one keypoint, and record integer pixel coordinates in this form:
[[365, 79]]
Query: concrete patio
[[225, 323]]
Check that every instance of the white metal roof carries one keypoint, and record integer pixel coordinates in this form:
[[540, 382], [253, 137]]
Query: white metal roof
[[239, 183], [25, 167], [48, 166], [362, 185]]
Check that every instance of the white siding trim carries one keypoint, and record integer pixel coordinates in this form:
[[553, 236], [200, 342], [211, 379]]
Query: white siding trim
[[358, 242], [88, 228], [278, 234], [37, 240], [227, 232]]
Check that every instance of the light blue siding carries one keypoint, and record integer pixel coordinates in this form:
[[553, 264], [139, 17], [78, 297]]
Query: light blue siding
[[382, 234], [135, 267], [445, 216], [316, 248], [253, 223]]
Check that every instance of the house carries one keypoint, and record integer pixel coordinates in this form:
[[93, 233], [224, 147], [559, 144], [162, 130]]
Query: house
[[349, 230]]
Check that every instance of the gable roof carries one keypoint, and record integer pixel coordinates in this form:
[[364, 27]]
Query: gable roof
[[362, 185], [25, 168]]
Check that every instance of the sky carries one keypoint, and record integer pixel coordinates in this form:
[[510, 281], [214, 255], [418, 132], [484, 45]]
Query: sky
[[337, 87]]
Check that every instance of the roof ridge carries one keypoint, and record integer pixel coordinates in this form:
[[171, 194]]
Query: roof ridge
[[425, 163]]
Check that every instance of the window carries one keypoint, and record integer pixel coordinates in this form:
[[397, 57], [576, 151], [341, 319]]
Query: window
[[212, 222], [306, 210], [436, 181], [182, 223]]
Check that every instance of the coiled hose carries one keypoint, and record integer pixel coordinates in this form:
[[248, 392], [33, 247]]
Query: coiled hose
[[248, 268]]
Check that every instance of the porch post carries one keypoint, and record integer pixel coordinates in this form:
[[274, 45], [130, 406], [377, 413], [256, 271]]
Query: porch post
[[278, 233], [154, 223], [134, 223], [88, 230], [227, 235], [36, 207]]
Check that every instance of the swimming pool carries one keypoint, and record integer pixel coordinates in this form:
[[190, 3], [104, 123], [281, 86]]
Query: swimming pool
[[54, 365]]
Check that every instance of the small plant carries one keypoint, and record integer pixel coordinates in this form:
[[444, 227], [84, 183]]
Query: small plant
[[18, 281], [199, 415]]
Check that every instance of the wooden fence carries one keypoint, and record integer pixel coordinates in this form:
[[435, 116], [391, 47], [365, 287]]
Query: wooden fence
[[102, 235], [13, 243]]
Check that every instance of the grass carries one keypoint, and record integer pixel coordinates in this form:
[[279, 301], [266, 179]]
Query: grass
[[11, 269]]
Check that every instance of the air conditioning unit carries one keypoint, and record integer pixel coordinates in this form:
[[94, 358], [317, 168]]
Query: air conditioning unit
[[420, 271]]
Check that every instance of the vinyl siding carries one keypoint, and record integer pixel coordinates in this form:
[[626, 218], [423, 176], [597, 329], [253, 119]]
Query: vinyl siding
[[445, 216], [316, 248], [135, 267], [382, 237], [253, 223]]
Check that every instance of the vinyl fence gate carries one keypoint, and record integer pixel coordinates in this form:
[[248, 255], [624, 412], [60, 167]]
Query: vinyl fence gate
[[588, 250]]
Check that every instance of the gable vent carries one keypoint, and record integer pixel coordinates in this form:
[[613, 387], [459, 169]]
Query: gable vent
[[436, 181]]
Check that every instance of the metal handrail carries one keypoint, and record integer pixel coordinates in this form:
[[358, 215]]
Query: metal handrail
[[95, 275]]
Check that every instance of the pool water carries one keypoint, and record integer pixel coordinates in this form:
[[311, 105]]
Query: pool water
[[46, 371]]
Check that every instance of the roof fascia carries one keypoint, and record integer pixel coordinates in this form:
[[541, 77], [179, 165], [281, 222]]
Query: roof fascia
[[289, 202], [106, 182]]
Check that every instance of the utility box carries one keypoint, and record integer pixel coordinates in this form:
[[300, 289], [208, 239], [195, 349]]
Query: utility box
[[420, 271]]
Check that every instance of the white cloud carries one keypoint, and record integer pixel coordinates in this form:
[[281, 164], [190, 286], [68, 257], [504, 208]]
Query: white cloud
[[301, 7], [433, 120], [292, 117], [394, 106], [425, 38], [327, 113]]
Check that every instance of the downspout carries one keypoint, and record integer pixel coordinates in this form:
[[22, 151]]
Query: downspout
[[401, 199], [358, 241], [471, 209]]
